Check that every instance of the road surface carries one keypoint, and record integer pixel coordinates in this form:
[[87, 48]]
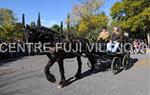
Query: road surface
[[25, 76]]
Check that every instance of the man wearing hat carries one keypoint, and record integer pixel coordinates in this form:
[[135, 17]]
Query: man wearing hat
[[104, 35]]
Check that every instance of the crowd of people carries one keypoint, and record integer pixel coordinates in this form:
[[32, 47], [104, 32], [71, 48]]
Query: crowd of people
[[17, 54], [139, 46], [6, 55]]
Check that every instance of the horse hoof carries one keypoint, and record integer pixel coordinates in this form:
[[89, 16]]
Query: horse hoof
[[59, 86], [61, 83], [51, 78], [53, 82]]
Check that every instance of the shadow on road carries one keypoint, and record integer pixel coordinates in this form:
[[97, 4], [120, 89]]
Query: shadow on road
[[6, 62], [99, 68], [85, 74], [131, 64], [72, 80]]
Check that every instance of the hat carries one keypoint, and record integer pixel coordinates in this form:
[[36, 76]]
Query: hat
[[104, 27]]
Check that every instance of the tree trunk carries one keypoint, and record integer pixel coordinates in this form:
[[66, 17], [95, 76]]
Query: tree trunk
[[148, 38]]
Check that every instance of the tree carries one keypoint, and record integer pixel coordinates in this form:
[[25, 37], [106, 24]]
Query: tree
[[23, 20], [7, 24], [1, 19], [18, 31], [88, 17], [68, 22], [55, 28], [32, 24], [61, 28], [133, 16], [86, 9], [96, 22], [39, 20]]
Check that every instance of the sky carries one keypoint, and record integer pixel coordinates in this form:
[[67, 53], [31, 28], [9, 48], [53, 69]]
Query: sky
[[51, 11]]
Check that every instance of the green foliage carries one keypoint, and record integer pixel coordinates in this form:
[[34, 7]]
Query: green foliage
[[18, 32], [7, 24], [55, 28], [10, 29], [88, 17], [132, 15], [96, 22], [32, 24]]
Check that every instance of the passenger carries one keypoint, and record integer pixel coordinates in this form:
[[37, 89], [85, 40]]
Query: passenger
[[136, 46], [126, 37], [115, 40]]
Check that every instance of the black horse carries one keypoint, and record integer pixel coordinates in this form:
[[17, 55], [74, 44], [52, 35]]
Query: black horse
[[43, 34]]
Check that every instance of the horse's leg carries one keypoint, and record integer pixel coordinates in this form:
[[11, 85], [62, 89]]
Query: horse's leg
[[78, 74], [93, 62], [49, 76], [61, 68]]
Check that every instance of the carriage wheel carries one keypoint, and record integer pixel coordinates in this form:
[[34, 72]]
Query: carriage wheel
[[125, 61], [89, 64], [115, 67]]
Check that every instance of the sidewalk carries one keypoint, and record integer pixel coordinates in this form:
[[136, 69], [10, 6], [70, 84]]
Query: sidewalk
[[148, 51]]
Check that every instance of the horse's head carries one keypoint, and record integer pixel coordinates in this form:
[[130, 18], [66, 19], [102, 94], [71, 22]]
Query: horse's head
[[31, 34], [36, 34]]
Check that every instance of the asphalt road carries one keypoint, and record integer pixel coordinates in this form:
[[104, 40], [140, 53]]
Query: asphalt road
[[25, 76]]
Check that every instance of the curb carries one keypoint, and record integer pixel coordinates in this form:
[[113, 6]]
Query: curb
[[148, 51]]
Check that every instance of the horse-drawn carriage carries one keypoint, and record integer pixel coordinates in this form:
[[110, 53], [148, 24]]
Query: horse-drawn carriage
[[45, 35], [116, 61]]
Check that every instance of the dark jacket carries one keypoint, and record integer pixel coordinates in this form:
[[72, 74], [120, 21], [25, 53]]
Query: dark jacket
[[116, 37]]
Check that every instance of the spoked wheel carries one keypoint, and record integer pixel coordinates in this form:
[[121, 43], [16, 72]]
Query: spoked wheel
[[126, 61], [115, 65]]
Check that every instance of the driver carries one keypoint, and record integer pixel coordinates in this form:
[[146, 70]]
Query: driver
[[103, 35]]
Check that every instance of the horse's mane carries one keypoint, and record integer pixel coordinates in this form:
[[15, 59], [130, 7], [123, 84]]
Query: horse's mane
[[57, 36], [44, 29]]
